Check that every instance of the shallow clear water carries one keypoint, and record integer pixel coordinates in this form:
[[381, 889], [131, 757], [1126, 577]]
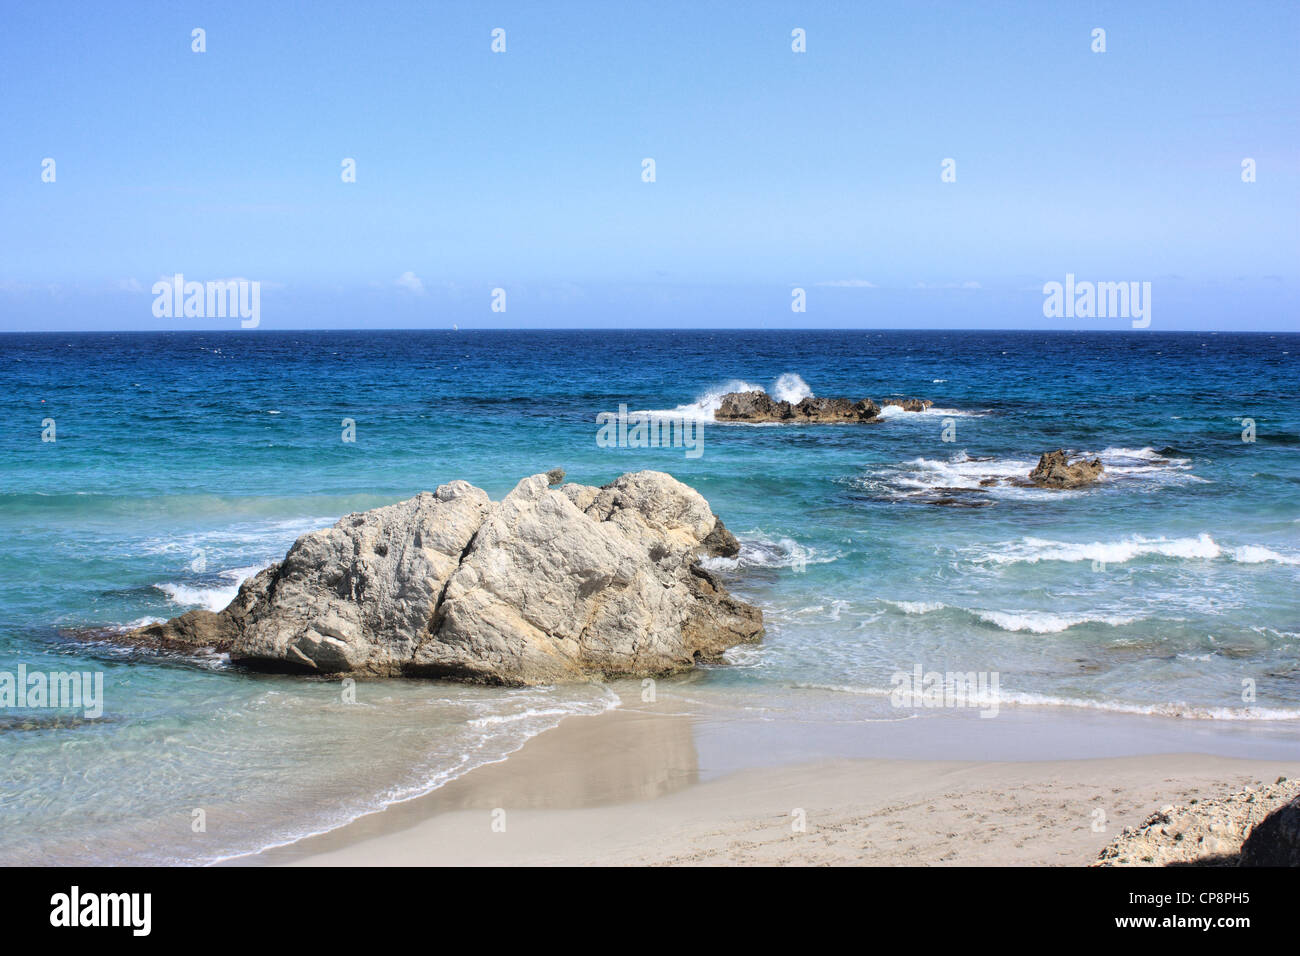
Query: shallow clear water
[[186, 461]]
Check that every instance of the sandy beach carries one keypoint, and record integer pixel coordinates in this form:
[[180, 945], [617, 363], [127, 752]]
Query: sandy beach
[[630, 788]]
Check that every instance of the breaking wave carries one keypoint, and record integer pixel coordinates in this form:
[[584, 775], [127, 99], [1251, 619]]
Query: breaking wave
[[1200, 548], [760, 551], [212, 597], [790, 388], [1174, 709], [1034, 622], [897, 411], [787, 388], [920, 478]]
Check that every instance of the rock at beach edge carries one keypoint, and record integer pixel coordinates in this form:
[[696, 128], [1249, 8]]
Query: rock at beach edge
[[547, 585]]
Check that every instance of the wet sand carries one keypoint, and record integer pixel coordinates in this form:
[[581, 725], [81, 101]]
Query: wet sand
[[630, 787]]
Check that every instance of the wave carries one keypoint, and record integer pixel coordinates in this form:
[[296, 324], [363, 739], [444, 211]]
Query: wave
[[1047, 622], [1144, 454], [1146, 461], [787, 388], [897, 411], [210, 598], [993, 477], [760, 551], [1035, 622], [961, 470], [790, 388], [1201, 548], [239, 575], [917, 607], [1256, 554], [239, 538], [706, 404], [1175, 709]]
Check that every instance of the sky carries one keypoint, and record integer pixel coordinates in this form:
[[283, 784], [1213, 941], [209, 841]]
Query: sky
[[774, 170]]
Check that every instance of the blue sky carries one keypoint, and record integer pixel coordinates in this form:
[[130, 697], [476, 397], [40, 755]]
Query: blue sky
[[774, 170]]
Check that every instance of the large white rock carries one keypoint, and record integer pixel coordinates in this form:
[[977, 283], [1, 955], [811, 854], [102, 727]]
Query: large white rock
[[546, 585]]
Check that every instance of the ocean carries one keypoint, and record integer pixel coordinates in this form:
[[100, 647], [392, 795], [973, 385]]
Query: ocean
[[183, 462]]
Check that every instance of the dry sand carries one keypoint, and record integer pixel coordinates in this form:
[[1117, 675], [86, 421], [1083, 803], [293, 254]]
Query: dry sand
[[625, 788]]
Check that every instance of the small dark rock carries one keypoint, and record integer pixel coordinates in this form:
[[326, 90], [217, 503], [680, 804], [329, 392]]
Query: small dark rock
[[1054, 470]]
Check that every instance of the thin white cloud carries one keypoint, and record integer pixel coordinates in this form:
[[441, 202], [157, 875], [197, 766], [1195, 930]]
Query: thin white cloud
[[411, 283], [968, 284], [264, 283]]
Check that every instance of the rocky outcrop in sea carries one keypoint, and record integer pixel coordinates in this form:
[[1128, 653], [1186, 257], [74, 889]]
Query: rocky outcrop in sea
[[1055, 470], [758, 406], [546, 585]]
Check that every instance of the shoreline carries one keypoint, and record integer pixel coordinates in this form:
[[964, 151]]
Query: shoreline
[[650, 786]]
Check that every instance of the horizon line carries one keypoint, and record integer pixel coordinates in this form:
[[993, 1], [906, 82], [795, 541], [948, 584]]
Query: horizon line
[[649, 328]]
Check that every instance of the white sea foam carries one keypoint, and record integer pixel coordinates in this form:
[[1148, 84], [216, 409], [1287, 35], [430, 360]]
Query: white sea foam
[[897, 411], [1035, 622], [238, 575], [1034, 550], [790, 388], [1176, 709], [1200, 548], [1046, 622], [1144, 462], [856, 690], [211, 597], [138, 623], [787, 388], [917, 607], [186, 595], [531, 714], [758, 550], [959, 471], [1144, 454], [707, 403], [922, 477], [1255, 554], [272, 536], [838, 608]]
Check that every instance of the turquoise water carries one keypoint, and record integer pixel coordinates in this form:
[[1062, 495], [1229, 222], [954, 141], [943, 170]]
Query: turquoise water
[[184, 462]]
